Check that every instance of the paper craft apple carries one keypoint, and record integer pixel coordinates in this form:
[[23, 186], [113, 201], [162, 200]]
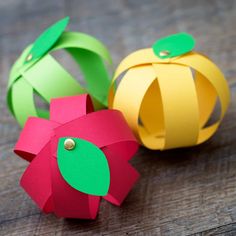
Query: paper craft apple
[[38, 72], [168, 93], [77, 157]]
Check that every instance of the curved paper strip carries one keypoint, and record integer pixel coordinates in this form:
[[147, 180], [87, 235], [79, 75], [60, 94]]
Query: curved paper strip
[[36, 133], [17, 66], [66, 109], [97, 80], [38, 185], [45, 76], [23, 102], [122, 174], [88, 51], [52, 81], [68, 202], [207, 96], [211, 72], [180, 107], [148, 112], [83, 41], [179, 119]]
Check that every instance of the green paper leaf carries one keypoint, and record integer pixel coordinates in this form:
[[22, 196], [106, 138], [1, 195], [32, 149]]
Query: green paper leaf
[[85, 167], [47, 39], [173, 45]]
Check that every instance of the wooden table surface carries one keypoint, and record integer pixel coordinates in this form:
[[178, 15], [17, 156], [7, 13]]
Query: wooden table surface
[[188, 191]]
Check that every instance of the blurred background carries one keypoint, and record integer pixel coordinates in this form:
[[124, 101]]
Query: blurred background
[[183, 192]]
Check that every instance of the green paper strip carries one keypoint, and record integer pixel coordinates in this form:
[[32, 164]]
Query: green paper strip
[[45, 76], [51, 86], [173, 45], [22, 105], [84, 168]]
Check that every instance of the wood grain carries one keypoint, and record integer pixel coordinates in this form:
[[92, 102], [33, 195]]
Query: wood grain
[[182, 192]]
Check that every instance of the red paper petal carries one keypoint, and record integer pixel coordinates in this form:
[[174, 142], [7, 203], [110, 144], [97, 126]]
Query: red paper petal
[[36, 133], [123, 177], [69, 202], [36, 180], [66, 109]]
